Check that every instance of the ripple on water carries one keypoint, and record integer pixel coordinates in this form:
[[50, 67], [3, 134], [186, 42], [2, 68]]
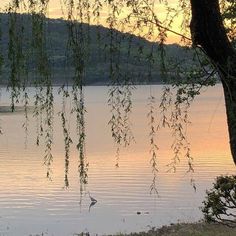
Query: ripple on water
[[37, 204]]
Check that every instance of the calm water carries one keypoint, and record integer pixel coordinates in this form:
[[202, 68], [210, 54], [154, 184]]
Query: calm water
[[32, 204]]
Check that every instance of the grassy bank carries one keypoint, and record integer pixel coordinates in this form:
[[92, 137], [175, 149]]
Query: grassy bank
[[196, 229]]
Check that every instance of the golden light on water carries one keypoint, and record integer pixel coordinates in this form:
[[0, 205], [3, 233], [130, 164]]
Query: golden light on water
[[29, 200], [207, 133]]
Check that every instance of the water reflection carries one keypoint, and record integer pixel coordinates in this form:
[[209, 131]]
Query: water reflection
[[167, 111], [121, 192]]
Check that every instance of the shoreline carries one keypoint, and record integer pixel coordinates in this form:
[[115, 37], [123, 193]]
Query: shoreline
[[183, 229], [99, 84]]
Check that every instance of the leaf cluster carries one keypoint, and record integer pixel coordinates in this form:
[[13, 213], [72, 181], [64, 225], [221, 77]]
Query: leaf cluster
[[220, 203], [229, 15]]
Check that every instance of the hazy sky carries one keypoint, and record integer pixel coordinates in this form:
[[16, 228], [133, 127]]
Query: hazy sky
[[55, 11]]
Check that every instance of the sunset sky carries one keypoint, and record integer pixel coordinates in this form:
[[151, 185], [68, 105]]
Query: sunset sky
[[55, 11]]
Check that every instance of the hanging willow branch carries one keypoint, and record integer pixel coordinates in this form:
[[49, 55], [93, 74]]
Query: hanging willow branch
[[152, 115], [66, 133], [134, 50]]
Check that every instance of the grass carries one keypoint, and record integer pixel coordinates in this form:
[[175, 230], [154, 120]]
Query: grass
[[181, 229], [187, 229]]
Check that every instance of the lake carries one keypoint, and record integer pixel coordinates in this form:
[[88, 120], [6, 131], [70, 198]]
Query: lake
[[33, 204]]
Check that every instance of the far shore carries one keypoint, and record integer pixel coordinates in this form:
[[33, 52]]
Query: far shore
[[3, 85]]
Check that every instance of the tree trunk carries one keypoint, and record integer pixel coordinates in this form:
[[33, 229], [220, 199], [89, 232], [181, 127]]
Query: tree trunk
[[208, 31]]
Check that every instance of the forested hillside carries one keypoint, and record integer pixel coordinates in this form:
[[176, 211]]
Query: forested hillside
[[131, 55]]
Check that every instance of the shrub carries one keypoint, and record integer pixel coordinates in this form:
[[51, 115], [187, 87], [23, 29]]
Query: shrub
[[220, 203]]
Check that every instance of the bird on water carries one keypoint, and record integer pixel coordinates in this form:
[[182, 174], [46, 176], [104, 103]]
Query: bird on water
[[93, 201], [91, 198]]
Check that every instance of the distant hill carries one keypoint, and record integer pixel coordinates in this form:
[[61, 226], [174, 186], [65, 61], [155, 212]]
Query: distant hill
[[133, 58]]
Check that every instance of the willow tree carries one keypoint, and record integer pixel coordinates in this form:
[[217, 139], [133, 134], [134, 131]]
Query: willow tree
[[212, 29]]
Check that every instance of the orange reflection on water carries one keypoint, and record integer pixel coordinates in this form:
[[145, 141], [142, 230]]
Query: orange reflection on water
[[27, 193]]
